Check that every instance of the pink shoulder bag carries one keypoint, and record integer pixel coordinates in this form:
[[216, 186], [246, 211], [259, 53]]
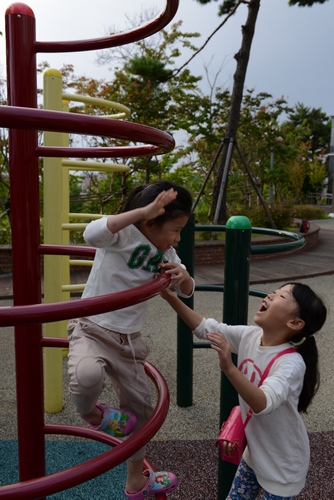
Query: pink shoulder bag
[[232, 438]]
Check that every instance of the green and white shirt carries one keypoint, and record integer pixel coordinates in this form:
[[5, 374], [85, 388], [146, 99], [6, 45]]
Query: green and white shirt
[[122, 261]]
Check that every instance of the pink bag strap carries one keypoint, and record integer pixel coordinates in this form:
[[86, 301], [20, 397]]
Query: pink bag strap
[[265, 375], [267, 370]]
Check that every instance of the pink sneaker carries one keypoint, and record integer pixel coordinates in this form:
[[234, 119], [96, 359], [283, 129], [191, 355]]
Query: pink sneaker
[[116, 422], [157, 482]]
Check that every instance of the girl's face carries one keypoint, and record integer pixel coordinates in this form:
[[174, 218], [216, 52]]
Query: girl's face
[[279, 314], [167, 235]]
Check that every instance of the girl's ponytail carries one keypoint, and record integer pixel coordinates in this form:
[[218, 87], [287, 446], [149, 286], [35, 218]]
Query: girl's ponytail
[[313, 312], [309, 352]]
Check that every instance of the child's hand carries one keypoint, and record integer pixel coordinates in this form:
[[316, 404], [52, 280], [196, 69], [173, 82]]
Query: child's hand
[[222, 346], [156, 208], [177, 272], [166, 293]]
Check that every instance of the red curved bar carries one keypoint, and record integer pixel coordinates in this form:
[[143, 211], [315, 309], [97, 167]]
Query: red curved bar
[[24, 120], [73, 476], [54, 342], [67, 250], [58, 121], [148, 29], [98, 152], [58, 311]]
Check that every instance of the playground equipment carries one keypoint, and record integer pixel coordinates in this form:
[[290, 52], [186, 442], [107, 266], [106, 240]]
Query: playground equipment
[[24, 120], [57, 223], [28, 313]]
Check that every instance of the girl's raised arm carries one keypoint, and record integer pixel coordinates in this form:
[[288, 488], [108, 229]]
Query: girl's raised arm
[[117, 222], [253, 395], [190, 317]]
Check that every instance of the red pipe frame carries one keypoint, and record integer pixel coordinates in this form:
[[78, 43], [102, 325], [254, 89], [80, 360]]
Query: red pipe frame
[[69, 478], [23, 118]]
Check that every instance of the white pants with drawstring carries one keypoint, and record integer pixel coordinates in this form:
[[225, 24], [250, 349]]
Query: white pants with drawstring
[[96, 352]]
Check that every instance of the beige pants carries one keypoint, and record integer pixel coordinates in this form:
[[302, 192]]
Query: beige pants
[[96, 352]]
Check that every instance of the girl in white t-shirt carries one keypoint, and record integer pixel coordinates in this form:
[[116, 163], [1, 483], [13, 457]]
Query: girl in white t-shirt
[[131, 248], [276, 458]]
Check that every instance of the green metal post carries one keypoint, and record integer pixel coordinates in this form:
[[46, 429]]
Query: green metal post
[[184, 368], [235, 312]]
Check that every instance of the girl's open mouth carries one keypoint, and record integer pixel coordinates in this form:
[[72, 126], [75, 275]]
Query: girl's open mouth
[[263, 307]]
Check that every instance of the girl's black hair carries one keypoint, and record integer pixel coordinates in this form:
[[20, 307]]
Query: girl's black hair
[[144, 194], [313, 312]]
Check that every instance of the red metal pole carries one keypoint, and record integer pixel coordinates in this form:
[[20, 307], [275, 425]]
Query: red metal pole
[[24, 191], [85, 471], [25, 213]]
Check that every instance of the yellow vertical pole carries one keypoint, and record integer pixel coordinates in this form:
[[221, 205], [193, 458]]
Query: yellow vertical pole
[[53, 273], [56, 217]]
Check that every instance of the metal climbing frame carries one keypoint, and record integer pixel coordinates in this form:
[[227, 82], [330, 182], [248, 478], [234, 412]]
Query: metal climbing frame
[[57, 224], [24, 120]]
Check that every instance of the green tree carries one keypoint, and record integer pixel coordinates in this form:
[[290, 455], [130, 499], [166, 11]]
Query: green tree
[[317, 173], [219, 199], [305, 3], [144, 82], [313, 126], [259, 135], [309, 129], [156, 96]]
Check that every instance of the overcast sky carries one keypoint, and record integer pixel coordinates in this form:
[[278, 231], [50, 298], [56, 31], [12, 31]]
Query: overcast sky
[[291, 56]]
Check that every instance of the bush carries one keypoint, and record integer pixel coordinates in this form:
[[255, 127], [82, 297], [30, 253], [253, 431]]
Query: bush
[[281, 213], [5, 232], [309, 212]]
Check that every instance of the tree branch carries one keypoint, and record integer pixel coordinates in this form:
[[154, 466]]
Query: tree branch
[[175, 72]]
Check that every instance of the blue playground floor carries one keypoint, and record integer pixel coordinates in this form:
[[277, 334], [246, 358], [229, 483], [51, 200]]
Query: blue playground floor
[[61, 455]]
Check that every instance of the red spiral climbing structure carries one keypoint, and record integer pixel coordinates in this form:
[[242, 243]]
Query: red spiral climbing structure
[[24, 121]]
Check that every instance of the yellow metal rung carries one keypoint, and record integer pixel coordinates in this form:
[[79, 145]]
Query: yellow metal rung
[[86, 216], [73, 288], [78, 262], [69, 226]]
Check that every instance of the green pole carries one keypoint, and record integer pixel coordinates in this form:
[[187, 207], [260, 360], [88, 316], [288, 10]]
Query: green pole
[[235, 312], [184, 362]]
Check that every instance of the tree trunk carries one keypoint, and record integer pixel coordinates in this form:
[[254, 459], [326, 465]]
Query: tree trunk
[[242, 58]]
